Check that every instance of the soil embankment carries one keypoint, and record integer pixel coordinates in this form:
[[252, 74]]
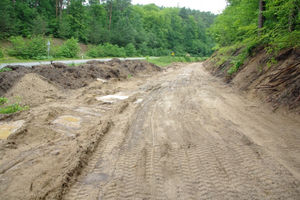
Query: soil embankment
[[276, 83]]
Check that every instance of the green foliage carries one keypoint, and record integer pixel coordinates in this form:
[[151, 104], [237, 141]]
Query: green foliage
[[106, 50], [39, 26], [167, 60], [187, 58], [3, 100], [64, 28], [272, 62], [1, 54], [19, 47], [70, 48], [236, 65], [130, 50], [237, 35], [5, 69], [152, 30], [6, 108], [238, 23], [28, 48]]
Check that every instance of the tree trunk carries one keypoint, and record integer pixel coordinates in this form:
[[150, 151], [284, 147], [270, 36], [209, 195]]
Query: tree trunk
[[110, 15], [68, 7], [294, 11], [14, 2], [60, 9], [262, 8], [36, 3], [56, 8]]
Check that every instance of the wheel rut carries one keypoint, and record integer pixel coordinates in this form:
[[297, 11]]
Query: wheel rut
[[181, 145]]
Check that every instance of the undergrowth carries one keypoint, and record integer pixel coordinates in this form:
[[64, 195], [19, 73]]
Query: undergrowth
[[167, 60], [6, 108], [238, 53]]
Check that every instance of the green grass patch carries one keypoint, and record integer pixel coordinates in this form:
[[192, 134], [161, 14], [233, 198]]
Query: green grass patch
[[6, 108], [5, 70], [167, 60]]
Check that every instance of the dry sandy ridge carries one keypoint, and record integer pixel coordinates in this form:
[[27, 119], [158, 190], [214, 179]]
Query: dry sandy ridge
[[176, 134]]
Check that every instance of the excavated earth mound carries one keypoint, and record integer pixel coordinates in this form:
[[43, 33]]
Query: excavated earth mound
[[44, 149], [77, 77]]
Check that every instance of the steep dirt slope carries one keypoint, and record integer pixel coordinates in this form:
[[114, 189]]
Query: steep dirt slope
[[277, 84]]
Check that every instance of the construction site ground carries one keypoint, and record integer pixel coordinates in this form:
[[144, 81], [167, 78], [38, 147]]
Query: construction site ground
[[136, 131]]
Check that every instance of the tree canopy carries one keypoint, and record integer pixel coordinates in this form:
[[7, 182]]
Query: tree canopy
[[274, 22], [143, 29]]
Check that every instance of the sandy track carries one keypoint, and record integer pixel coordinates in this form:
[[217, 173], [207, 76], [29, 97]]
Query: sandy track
[[193, 137]]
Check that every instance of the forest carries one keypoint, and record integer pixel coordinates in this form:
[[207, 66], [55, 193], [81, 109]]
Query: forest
[[111, 28], [249, 24]]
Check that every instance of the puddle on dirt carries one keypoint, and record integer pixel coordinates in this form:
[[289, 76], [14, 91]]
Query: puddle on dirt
[[68, 121], [138, 101], [102, 80], [8, 128], [114, 98]]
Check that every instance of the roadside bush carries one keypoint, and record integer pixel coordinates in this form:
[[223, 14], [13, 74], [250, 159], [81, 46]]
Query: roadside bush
[[113, 50], [130, 50], [106, 50], [93, 52], [70, 48], [28, 48], [187, 58], [19, 48], [37, 46]]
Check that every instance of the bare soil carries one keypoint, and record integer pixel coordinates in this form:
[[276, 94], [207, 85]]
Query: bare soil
[[276, 83], [177, 133]]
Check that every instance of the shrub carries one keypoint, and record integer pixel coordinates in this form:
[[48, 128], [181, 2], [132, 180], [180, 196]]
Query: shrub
[[187, 58], [19, 47], [37, 46], [130, 50], [70, 48], [236, 65], [106, 50], [92, 52], [28, 48]]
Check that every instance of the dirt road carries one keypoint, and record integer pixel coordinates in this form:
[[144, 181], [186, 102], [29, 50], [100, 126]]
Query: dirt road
[[187, 135]]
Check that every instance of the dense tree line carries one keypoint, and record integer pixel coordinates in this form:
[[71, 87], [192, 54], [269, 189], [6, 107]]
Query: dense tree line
[[249, 25], [142, 30], [273, 23]]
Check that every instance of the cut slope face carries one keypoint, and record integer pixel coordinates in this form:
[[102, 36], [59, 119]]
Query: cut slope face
[[278, 84]]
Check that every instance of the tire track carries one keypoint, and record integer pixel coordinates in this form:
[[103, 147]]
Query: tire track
[[180, 146]]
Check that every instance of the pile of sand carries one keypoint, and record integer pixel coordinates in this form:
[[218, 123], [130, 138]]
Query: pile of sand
[[34, 90]]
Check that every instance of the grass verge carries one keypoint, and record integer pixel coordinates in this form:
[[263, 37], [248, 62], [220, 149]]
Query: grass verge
[[167, 60]]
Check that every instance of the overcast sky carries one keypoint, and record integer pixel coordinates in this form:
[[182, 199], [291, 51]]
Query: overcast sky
[[214, 6]]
